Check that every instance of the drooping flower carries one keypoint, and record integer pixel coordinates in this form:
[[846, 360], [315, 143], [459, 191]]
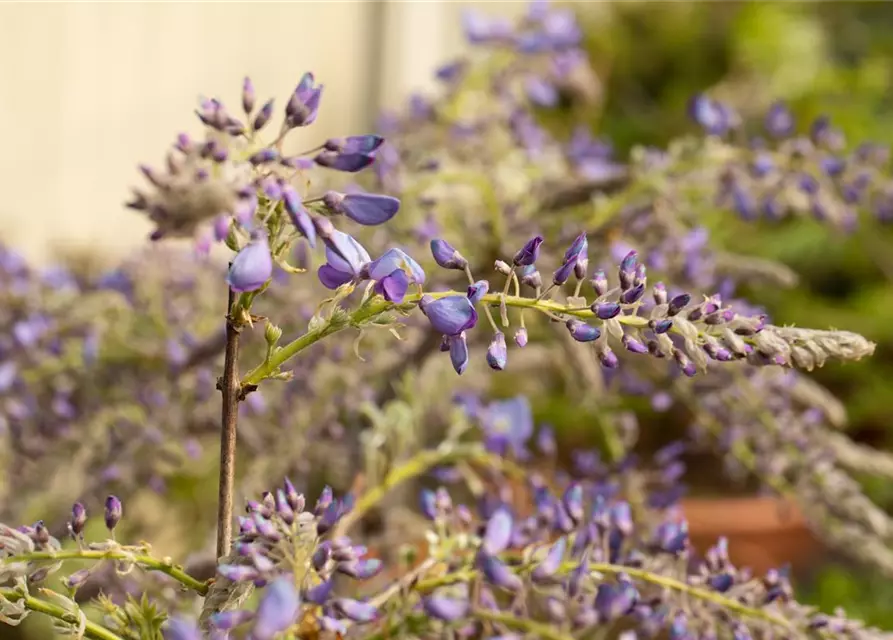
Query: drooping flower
[[447, 256], [278, 609], [450, 315], [365, 208], [508, 426], [497, 353], [393, 272], [345, 259], [252, 266], [459, 352]]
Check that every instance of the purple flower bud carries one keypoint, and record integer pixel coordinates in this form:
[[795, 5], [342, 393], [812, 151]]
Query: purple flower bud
[[248, 96], [181, 629], [497, 352], [428, 504], [237, 572], [321, 556], [582, 332], [661, 326], [573, 502], [326, 498], [252, 266], [459, 353], [299, 215], [545, 441], [77, 578], [545, 570], [540, 92], [320, 593], [599, 282], [228, 620], [303, 106], [450, 315], [361, 569], [365, 208], [78, 519], [446, 609], [497, 573], [632, 345], [606, 310], [528, 253], [356, 610], [529, 276], [498, 533], [685, 364], [278, 609], [779, 121], [263, 116], [521, 337], [709, 114], [607, 357], [627, 271], [659, 291], [446, 256], [561, 275], [633, 295], [264, 156], [113, 512], [678, 303], [347, 162]]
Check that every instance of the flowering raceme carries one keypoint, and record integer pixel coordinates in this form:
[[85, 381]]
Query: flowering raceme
[[507, 542]]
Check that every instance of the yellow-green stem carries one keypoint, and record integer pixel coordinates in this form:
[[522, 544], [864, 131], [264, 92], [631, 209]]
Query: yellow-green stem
[[144, 561], [91, 629], [377, 306]]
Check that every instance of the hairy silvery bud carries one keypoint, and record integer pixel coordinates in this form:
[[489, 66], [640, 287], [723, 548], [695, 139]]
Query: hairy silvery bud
[[502, 267]]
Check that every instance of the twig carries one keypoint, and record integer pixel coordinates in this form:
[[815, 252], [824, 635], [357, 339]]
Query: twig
[[230, 390], [91, 629]]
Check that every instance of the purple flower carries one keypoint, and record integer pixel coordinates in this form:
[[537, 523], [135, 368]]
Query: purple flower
[[364, 208], [226, 620], [303, 106], [540, 92], [459, 352], [508, 425], [709, 114], [345, 260], [347, 162], [356, 610], [498, 533], [354, 144], [779, 120], [497, 573], [393, 272], [497, 353], [446, 609], [278, 609], [450, 315], [252, 266], [180, 629], [551, 563], [478, 290]]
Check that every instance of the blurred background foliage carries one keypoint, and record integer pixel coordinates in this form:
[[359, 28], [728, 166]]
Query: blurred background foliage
[[829, 59]]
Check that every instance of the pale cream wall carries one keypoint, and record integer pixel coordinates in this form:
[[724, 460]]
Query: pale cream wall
[[88, 90]]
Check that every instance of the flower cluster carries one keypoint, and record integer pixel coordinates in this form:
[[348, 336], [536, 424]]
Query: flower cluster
[[784, 172]]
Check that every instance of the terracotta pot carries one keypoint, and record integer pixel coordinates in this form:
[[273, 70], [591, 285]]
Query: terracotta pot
[[763, 532]]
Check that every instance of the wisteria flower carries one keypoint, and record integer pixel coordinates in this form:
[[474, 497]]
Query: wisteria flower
[[345, 259]]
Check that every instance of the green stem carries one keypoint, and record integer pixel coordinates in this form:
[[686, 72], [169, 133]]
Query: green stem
[[539, 629], [416, 466], [426, 586], [377, 306], [91, 629], [146, 562]]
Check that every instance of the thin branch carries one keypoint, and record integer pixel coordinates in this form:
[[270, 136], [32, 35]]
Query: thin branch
[[91, 629], [230, 390]]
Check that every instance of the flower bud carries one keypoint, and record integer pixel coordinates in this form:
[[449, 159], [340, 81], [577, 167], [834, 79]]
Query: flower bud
[[78, 519], [521, 337], [446, 256], [497, 352], [528, 254], [582, 332], [272, 334], [502, 267], [113, 512], [599, 283]]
